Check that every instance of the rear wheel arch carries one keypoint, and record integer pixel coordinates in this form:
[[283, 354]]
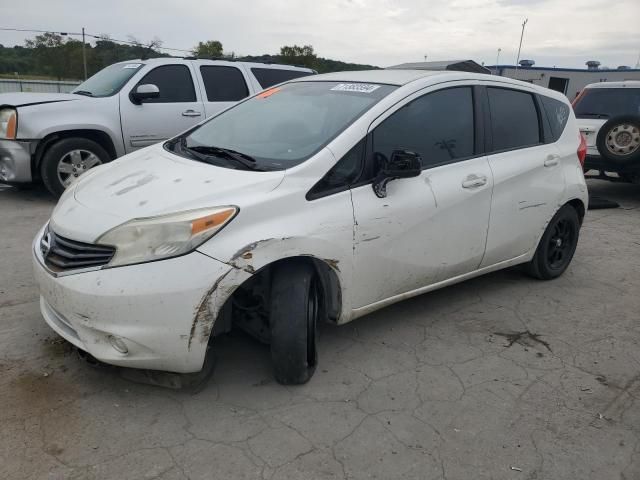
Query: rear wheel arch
[[579, 207]]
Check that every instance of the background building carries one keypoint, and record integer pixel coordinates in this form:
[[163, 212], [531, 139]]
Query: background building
[[566, 80]]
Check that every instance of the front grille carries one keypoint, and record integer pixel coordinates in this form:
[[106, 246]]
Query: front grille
[[62, 254]]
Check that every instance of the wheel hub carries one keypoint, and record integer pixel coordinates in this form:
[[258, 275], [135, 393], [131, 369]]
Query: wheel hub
[[623, 139], [75, 163]]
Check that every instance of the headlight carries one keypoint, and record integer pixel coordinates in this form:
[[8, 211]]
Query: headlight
[[8, 123], [166, 236]]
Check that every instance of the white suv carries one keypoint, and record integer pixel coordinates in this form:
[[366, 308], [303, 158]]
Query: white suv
[[608, 115], [128, 105], [322, 199]]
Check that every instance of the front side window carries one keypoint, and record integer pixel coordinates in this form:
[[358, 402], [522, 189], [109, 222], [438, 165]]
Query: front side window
[[284, 126], [342, 175], [438, 126], [607, 102], [174, 82], [268, 77], [224, 84], [109, 80], [514, 119]]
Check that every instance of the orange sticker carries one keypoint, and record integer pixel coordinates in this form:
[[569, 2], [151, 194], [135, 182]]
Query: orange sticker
[[268, 93]]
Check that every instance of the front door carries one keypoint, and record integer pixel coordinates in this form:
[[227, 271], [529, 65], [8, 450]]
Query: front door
[[432, 227], [177, 108]]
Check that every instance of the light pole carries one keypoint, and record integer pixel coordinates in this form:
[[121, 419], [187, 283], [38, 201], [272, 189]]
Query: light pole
[[84, 56], [524, 24], [498, 60]]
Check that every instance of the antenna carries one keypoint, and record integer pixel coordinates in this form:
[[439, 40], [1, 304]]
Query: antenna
[[524, 24]]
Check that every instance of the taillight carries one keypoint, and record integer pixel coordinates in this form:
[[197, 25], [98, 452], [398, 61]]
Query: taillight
[[582, 149]]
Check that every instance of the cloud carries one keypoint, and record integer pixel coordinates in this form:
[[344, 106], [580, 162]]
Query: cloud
[[380, 32]]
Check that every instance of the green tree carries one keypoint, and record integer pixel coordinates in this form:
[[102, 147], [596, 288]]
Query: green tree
[[208, 49], [48, 52], [296, 55]]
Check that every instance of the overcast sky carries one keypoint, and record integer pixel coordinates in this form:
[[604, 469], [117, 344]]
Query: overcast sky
[[380, 32]]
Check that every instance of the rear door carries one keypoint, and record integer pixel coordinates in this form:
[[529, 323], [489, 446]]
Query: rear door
[[432, 227], [527, 173], [222, 86], [177, 108]]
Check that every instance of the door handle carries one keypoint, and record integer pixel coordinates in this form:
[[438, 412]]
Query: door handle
[[191, 113], [474, 181], [551, 160]]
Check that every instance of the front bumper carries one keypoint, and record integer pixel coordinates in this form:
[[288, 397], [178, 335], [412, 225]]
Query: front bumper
[[153, 308], [15, 160]]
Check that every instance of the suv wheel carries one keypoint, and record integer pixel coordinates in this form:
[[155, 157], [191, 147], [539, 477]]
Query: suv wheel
[[619, 140], [295, 308], [67, 159], [557, 245]]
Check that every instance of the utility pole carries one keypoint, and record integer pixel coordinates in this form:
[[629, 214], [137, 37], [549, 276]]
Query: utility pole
[[638, 61], [498, 60], [524, 24], [84, 55]]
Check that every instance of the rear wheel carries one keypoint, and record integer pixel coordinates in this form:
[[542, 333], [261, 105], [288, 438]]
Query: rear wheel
[[68, 159], [296, 306], [557, 245]]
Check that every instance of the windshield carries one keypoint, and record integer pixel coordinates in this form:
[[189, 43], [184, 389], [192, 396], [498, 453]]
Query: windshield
[[283, 126], [108, 81], [607, 102]]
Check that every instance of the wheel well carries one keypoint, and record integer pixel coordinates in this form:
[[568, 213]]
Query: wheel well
[[247, 308], [579, 208], [101, 138]]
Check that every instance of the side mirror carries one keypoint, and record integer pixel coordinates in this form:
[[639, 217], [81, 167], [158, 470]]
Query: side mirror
[[144, 92], [402, 164]]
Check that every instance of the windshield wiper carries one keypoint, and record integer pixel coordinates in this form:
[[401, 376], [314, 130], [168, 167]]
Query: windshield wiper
[[203, 152], [83, 92]]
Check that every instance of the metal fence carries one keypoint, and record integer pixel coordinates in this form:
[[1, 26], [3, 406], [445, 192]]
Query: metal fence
[[46, 86]]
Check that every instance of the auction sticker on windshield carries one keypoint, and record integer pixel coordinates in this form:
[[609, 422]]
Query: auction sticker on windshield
[[356, 87]]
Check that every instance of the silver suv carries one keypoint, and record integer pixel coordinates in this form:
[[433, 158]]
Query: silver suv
[[126, 106]]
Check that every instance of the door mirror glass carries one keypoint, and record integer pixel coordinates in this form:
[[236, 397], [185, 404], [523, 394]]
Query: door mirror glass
[[144, 92], [402, 164]]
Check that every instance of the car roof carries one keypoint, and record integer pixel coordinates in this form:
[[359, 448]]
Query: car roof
[[222, 61], [402, 77], [623, 84], [389, 77]]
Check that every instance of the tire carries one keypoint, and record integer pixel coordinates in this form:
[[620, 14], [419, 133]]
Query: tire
[[295, 306], [67, 159], [552, 258], [618, 140]]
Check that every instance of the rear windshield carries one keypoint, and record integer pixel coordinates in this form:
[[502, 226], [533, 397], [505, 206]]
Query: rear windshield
[[607, 102], [285, 125], [268, 77]]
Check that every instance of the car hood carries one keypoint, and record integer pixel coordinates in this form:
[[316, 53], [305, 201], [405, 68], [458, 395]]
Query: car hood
[[24, 99], [152, 182]]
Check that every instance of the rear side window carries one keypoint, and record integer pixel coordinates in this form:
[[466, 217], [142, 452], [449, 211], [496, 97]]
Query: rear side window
[[514, 119], [438, 126], [272, 76], [557, 113], [223, 84], [173, 81], [607, 102]]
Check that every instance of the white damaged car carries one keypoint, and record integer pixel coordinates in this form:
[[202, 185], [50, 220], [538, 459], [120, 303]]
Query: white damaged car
[[322, 199]]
